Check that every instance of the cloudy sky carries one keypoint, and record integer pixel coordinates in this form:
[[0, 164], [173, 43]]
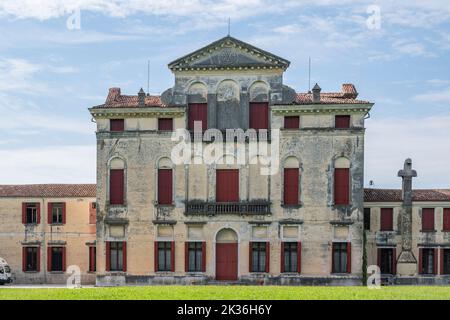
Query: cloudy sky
[[54, 66]]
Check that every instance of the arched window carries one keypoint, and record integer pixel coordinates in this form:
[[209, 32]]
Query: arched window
[[291, 188], [116, 181], [342, 181], [165, 182]]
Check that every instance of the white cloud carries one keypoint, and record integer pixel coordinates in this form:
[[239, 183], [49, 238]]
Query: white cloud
[[390, 141], [55, 164], [442, 96]]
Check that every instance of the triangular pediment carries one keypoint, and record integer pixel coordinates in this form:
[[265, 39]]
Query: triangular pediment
[[229, 53]]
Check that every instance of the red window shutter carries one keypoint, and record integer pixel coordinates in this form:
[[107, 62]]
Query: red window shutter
[[250, 256], [49, 213], [198, 112], [165, 186], [435, 261], [342, 122], [227, 185], [267, 256], [24, 213], [108, 256], [299, 257], [394, 261], [38, 259], [292, 122], [165, 124], [282, 266], [341, 186], [386, 219], [156, 255], [204, 256], [349, 257], [24, 259], [38, 210], [446, 218], [91, 258], [186, 256], [64, 213], [116, 186], [64, 258], [428, 219], [420, 261], [124, 256], [259, 115], [172, 256], [441, 258], [117, 125], [291, 188], [49, 258]]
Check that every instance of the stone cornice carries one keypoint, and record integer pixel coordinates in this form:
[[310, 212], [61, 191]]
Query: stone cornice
[[106, 113], [281, 110]]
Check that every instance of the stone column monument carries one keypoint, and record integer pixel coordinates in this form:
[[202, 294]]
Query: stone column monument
[[406, 263]]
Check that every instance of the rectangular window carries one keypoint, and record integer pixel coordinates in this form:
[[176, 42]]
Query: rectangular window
[[92, 213], [195, 256], [259, 115], [428, 261], [164, 255], [227, 185], [341, 257], [57, 213], [116, 256], [30, 213], [341, 186], [428, 219], [92, 258], [292, 122], [291, 188], [198, 112], [165, 124], [31, 259], [386, 260], [116, 186], [56, 259], [290, 256], [446, 219], [367, 219], [117, 125], [259, 257], [445, 261], [165, 186], [386, 219], [342, 122]]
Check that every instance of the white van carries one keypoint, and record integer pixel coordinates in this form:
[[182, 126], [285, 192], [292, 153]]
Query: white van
[[5, 272]]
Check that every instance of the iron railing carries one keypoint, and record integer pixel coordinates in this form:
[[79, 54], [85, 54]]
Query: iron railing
[[219, 208]]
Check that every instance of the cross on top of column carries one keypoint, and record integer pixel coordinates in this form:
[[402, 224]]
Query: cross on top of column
[[407, 171]]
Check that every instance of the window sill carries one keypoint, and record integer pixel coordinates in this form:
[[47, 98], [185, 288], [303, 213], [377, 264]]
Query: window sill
[[56, 272], [341, 274], [31, 271], [292, 206], [427, 231], [31, 224], [56, 224], [288, 273], [427, 275], [160, 205]]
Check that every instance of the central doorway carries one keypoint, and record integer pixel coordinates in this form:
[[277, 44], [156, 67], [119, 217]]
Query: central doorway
[[226, 255]]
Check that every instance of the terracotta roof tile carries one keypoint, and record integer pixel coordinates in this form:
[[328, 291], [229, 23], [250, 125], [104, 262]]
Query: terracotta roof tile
[[49, 190], [395, 195], [117, 100]]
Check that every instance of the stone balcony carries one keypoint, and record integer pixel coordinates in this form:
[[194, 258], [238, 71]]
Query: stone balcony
[[220, 208]]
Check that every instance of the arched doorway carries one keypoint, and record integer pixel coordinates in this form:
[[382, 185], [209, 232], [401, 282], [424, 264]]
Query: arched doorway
[[226, 255]]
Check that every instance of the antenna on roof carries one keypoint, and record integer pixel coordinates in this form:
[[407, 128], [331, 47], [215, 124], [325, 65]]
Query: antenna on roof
[[148, 77], [229, 25], [309, 75]]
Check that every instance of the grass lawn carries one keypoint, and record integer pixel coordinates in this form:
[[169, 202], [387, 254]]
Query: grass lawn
[[227, 292]]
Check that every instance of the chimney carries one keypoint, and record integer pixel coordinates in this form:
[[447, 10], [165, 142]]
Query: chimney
[[113, 94], [141, 98], [349, 91], [316, 93]]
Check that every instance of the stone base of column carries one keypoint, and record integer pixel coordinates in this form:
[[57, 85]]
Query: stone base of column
[[406, 269]]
